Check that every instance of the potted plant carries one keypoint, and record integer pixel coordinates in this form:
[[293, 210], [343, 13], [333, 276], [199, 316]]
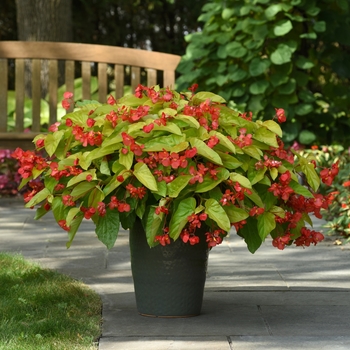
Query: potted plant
[[177, 169]]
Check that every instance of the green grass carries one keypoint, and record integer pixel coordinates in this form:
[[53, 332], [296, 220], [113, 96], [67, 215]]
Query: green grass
[[41, 309]]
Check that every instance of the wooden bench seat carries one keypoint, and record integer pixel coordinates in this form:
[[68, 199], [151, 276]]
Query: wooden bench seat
[[111, 60]]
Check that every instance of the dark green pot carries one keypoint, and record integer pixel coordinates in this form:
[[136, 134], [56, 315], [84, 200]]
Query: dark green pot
[[169, 281]]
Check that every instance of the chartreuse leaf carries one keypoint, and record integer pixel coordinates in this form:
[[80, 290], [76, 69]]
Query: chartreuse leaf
[[278, 211], [205, 151], [153, 225], [242, 180], [217, 214], [114, 183], [254, 196], [126, 159], [235, 214], [52, 141], [204, 95], [74, 228], [229, 161], [39, 197], [311, 175], [58, 209], [255, 176], [144, 175], [158, 144], [266, 223], [180, 147], [300, 189], [209, 183], [107, 228], [96, 196], [81, 177], [171, 127], [273, 173], [224, 141], [250, 234], [266, 136], [82, 189], [189, 120], [71, 215], [179, 218], [253, 151], [176, 186], [102, 151], [273, 126]]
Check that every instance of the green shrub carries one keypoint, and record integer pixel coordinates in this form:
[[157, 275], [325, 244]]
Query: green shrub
[[291, 54]]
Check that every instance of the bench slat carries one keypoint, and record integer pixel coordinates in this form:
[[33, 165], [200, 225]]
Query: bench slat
[[135, 77], [69, 79], [3, 94], [86, 75], [53, 86], [36, 94], [119, 80], [19, 86], [151, 77], [102, 82]]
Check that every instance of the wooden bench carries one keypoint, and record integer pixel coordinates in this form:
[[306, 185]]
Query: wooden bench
[[115, 61]]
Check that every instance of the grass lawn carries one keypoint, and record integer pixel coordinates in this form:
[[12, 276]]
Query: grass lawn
[[41, 309]]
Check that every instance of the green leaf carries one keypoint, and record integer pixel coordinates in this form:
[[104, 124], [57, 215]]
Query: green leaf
[[153, 225], [158, 144], [82, 189], [253, 151], [179, 218], [320, 26], [217, 214], [304, 63], [52, 141], [283, 27], [189, 120], [258, 66], [266, 136], [126, 159], [39, 197], [229, 161], [205, 151], [209, 183], [82, 177], [255, 198], [242, 180], [176, 186], [311, 35], [235, 214], [311, 176], [107, 228], [303, 108], [281, 55], [224, 141], [272, 10], [251, 235], [259, 87], [75, 224], [71, 215], [266, 223], [202, 96], [145, 176], [300, 189], [235, 49], [273, 126], [307, 137]]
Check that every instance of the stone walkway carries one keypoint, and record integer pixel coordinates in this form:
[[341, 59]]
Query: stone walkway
[[292, 299]]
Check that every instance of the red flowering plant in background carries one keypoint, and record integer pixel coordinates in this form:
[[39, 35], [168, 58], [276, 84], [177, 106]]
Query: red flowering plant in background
[[179, 162]]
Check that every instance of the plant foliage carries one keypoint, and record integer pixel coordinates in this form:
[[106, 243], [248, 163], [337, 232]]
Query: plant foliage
[[263, 54], [174, 160]]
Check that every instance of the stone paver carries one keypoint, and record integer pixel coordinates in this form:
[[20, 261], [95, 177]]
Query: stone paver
[[291, 299]]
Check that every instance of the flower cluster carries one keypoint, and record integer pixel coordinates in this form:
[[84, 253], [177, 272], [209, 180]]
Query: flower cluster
[[184, 164]]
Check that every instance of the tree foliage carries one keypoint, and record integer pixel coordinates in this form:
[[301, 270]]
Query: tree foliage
[[291, 54]]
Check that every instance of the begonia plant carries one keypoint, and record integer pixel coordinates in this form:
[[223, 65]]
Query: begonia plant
[[176, 161]]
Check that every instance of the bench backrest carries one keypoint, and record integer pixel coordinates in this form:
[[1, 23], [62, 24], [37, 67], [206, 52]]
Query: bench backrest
[[109, 60]]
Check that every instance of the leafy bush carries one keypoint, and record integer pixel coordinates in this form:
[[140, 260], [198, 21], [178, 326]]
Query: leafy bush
[[9, 178], [338, 212], [289, 54]]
